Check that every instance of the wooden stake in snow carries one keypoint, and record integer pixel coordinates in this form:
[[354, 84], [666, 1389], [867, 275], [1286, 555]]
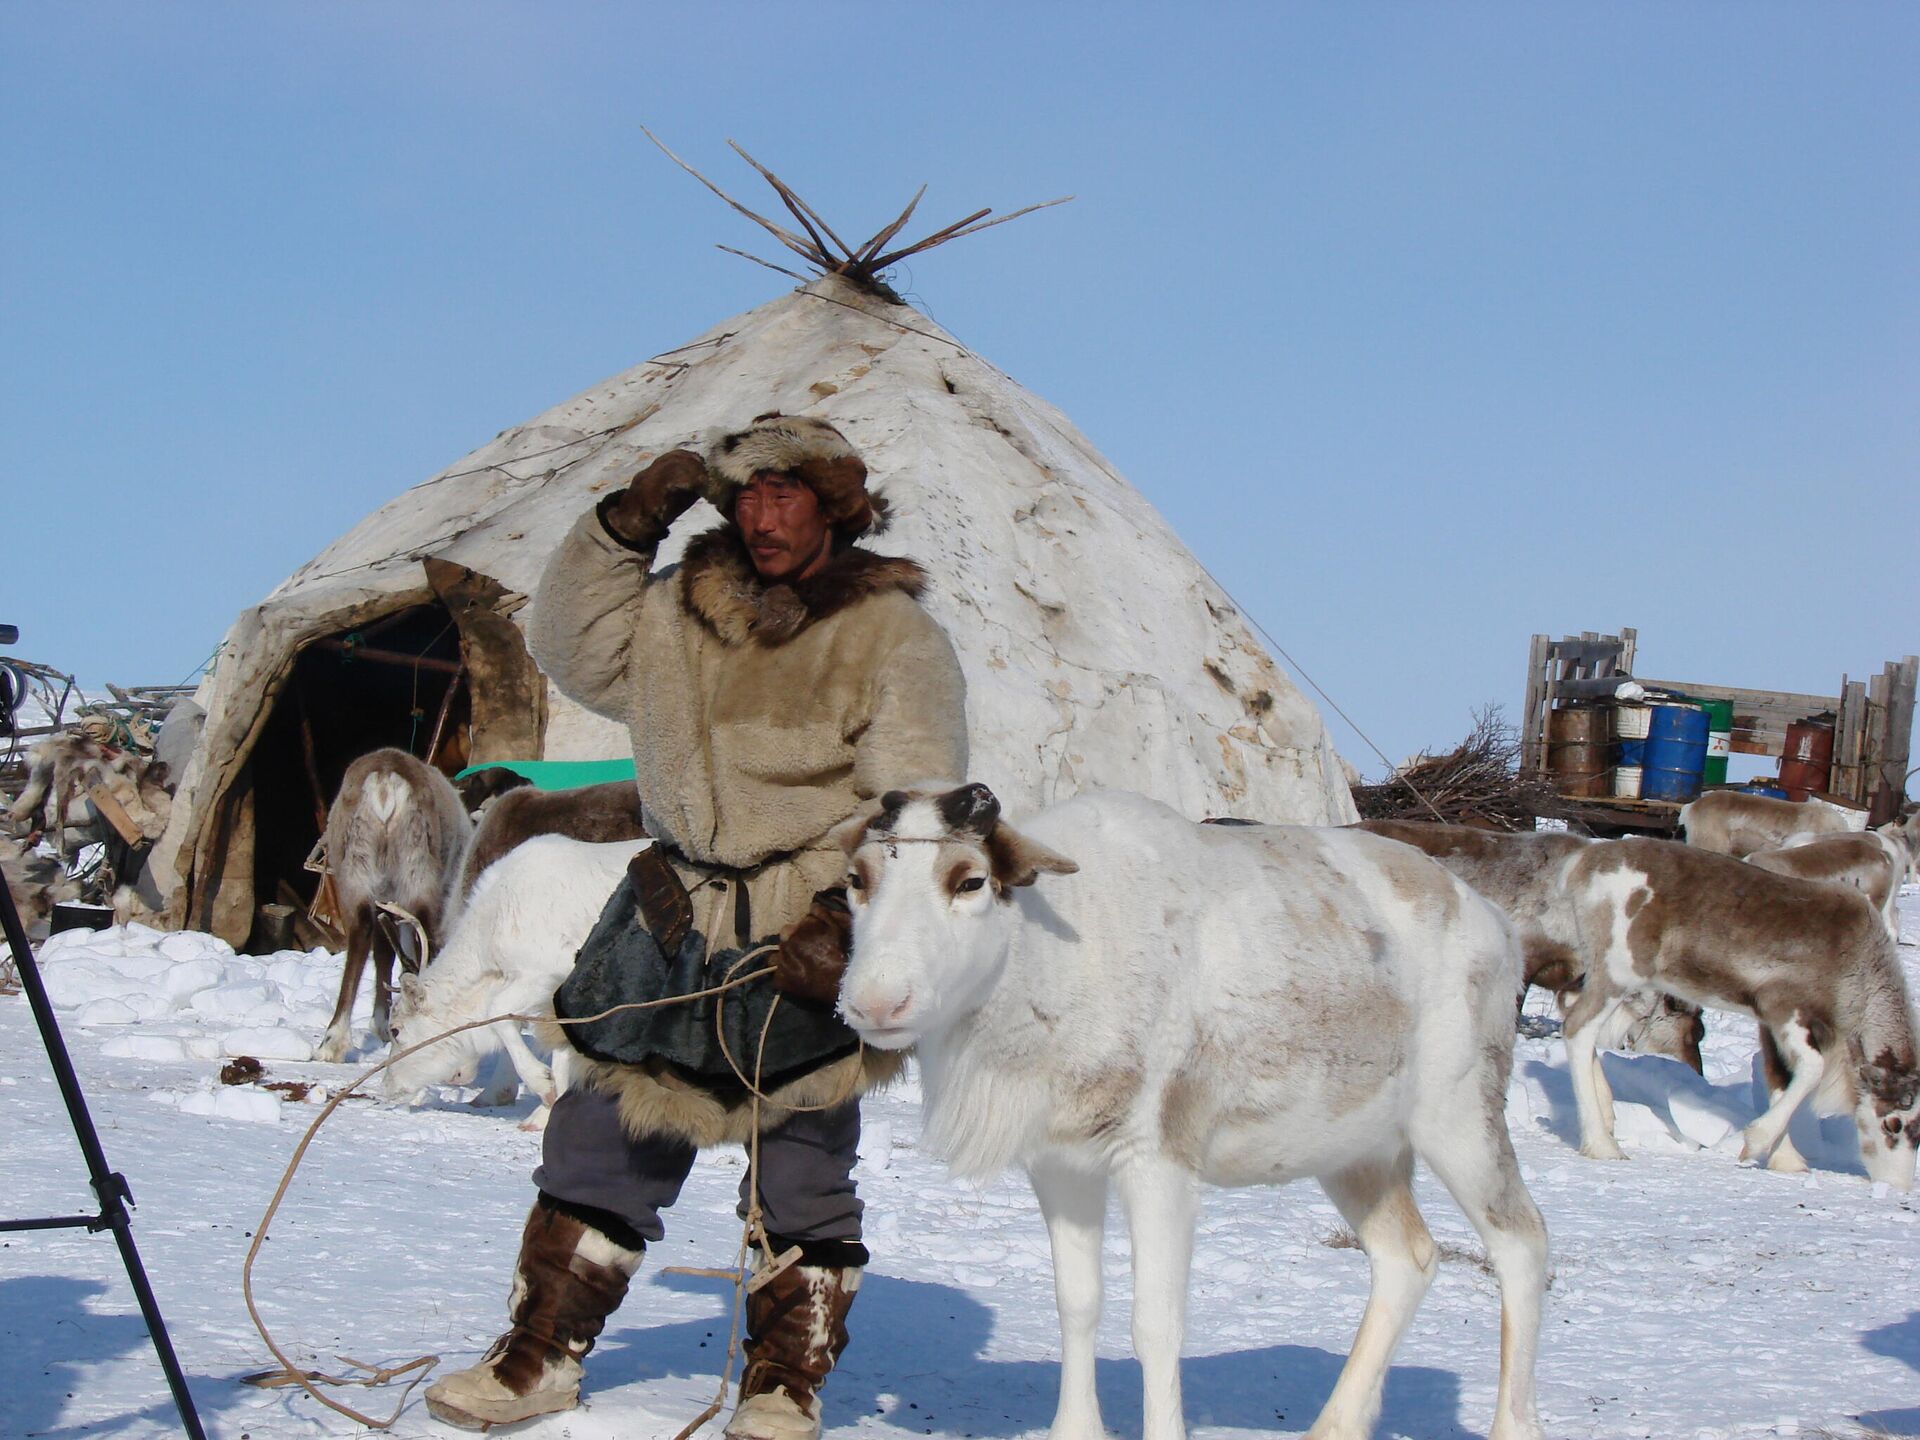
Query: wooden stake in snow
[[861, 264]]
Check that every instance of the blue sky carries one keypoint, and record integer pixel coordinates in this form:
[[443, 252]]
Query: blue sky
[[1427, 326]]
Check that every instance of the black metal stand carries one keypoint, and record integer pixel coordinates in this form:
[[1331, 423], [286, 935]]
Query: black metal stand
[[110, 1186]]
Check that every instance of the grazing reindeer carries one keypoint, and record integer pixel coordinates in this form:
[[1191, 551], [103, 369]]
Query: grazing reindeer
[[597, 814], [1732, 822], [1811, 962], [1521, 874], [1237, 1006], [526, 919], [394, 836]]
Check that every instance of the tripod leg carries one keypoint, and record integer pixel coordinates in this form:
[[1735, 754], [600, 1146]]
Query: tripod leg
[[109, 1186]]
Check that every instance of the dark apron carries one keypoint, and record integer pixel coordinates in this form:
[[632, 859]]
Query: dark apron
[[622, 962]]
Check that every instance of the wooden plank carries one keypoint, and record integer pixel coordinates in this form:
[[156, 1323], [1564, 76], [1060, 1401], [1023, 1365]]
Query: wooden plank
[[1887, 778], [115, 814], [1850, 743], [1600, 687], [1533, 709], [1752, 700], [1587, 650]]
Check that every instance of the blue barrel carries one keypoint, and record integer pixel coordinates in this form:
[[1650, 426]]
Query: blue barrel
[[1676, 753]]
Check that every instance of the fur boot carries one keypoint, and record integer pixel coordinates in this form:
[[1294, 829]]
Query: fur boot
[[570, 1277], [796, 1329]]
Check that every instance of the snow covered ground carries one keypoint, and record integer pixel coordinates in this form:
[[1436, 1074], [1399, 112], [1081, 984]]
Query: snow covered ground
[[1691, 1296]]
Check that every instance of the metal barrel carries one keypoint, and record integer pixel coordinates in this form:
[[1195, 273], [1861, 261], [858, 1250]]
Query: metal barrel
[[1806, 765], [1676, 753], [1577, 743]]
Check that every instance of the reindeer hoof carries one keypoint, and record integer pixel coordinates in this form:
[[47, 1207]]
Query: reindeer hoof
[[1756, 1144], [1602, 1150], [1787, 1162]]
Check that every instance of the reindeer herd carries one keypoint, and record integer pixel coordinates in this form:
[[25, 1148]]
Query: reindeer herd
[[1116, 998]]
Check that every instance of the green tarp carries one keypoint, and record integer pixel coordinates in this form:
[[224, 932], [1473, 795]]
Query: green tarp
[[559, 774]]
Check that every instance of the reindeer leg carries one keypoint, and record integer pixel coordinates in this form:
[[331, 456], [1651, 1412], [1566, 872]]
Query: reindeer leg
[[1162, 1202], [562, 1082], [1582, 1030], [1467, 1146], [1376, 1199], [536, 1077], [1806, 1066], [339, 1036], [383, 952], [502, 1085], [1074, 1203], [1786, 1159]]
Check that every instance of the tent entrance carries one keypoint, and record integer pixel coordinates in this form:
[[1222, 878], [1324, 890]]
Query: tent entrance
[[397, 680]]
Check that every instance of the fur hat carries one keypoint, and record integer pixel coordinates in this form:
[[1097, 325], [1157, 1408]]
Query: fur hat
[[810, 450]]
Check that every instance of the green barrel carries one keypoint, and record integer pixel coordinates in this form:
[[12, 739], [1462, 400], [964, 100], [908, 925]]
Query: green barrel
[[1719, 740]]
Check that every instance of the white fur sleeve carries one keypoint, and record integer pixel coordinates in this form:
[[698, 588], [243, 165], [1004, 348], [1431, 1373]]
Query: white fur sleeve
[[586, 609]]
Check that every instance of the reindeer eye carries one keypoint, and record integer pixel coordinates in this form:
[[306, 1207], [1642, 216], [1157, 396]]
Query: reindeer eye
[[971, 884], [855, 881]]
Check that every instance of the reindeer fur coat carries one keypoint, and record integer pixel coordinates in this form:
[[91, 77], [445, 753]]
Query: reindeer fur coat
[[761, 716]]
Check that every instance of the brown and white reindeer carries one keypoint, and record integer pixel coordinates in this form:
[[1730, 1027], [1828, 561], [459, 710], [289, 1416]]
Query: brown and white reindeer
[[1733, 822], [1520, 872], [1811, 962], [1181, 1004], [1874, 862], [395, 836]]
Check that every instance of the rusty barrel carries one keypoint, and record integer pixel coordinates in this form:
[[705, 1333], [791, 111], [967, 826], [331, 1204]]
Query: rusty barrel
[[1577, 743], [1806, 764]]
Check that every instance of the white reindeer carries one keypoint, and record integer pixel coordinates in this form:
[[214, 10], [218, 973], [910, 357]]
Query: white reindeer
[[527, 917], [1234, 1006], [394, 836], [1811, 962]]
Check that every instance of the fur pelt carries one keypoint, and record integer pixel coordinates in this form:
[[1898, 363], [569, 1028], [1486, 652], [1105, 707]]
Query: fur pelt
[[654, 1101], [798, 445], [719, 585], [64, 768]]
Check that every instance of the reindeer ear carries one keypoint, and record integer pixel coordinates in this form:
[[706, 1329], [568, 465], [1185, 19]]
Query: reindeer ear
[[1016, 860], [851, 833]]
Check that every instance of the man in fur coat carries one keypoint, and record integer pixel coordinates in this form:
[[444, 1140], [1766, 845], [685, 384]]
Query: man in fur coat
[[773, 680]]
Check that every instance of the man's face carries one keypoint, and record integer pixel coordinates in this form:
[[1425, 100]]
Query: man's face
[[779, 517]]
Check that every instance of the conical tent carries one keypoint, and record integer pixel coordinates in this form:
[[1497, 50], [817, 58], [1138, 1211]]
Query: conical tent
[[1097, 651]]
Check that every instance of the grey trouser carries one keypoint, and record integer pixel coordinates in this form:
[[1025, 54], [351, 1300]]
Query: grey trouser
[[806, 1169]]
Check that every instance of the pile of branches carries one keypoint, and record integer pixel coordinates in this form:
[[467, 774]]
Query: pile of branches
[[1478, 782]]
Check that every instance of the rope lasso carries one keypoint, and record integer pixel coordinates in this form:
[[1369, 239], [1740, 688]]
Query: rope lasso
[[291, 1373]]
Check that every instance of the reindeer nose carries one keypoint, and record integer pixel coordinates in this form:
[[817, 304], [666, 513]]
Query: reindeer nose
[[879, 1011]]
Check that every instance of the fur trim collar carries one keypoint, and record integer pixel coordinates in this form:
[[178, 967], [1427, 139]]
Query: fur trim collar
[[719, 585]]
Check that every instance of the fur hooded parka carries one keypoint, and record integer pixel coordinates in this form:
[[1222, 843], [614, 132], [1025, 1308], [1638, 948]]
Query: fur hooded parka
[[761, 715]]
